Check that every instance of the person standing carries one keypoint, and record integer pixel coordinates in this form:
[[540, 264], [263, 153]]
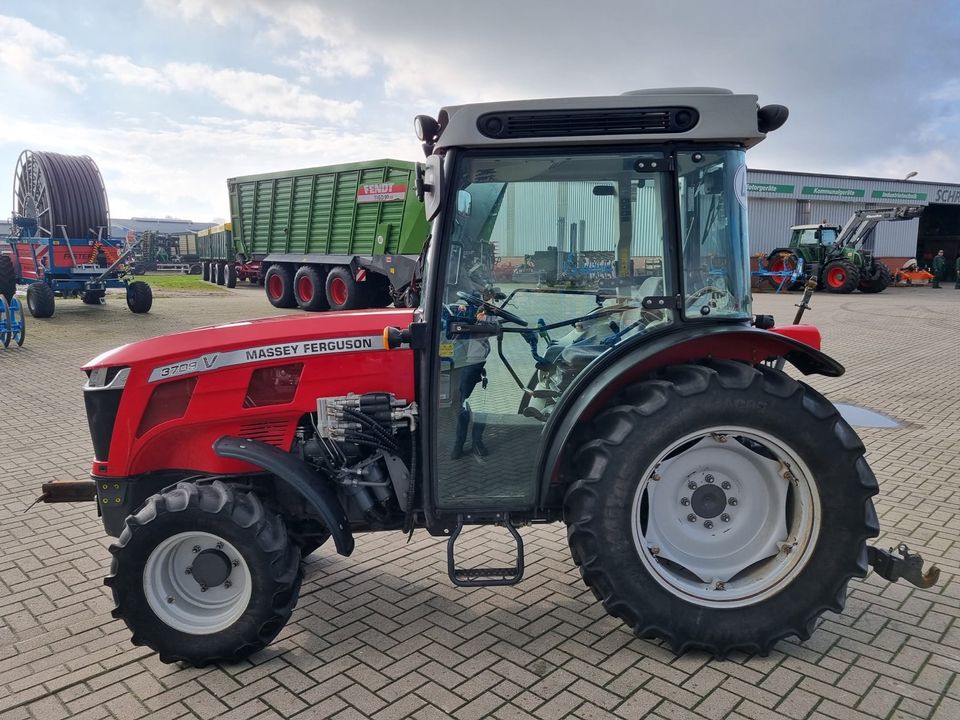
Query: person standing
[[939, 265]]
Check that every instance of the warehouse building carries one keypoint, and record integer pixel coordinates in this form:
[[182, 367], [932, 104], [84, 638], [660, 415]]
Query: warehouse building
[[778, 200]]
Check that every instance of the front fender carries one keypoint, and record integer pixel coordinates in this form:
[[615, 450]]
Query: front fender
[[288, 469], [601, 381]]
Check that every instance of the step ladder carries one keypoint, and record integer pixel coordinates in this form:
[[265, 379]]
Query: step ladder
[[484, 576]]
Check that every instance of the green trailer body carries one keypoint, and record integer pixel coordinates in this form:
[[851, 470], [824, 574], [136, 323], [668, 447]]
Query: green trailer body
[[216, 244], [359, 223], [362, 208]]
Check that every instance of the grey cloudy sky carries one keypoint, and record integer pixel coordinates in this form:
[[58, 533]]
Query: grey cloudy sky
[[171, 97]]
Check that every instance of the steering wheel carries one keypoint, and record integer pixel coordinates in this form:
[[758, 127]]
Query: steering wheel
[[475, 299]]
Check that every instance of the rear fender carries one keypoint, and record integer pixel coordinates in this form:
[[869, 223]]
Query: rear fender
[[593, 389], [299, 478]]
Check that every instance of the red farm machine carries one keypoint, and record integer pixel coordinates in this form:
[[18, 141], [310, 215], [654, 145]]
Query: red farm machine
[[61, 244], [710, 499]]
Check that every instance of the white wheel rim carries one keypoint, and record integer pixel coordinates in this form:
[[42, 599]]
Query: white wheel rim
[[721, 525], [179, 600]]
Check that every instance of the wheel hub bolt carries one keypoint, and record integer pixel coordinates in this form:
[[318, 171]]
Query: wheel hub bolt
[[684, 501], [227, 583], [732, 501], [708, 524], [725, 517], [708, 477], [189, 571], [219, 546], [654, 550], [720, 585], [169, 598], [725, 485], [196, 548], [236, 563], [691, 517], [203, 588], [692, 485]]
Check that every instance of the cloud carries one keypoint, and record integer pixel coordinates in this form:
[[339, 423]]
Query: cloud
[[189, 161], [254, 93], [36, 54], [331, 62], [123, 70]]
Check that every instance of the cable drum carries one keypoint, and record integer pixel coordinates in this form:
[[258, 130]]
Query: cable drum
[[62, 194]]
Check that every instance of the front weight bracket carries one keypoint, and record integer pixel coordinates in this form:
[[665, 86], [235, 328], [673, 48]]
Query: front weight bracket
[[907, 565]]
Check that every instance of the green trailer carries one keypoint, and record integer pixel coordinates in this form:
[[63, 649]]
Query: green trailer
[[336, 237]]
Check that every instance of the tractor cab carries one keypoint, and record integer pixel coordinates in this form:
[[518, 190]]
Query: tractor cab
[[640, 240], [813, 235]]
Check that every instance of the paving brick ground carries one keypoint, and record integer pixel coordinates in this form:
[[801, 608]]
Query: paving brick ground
[[383, 634]]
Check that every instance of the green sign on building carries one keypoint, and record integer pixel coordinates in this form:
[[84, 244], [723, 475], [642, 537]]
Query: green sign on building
[[832, 191], [895, 195], [771, 188]]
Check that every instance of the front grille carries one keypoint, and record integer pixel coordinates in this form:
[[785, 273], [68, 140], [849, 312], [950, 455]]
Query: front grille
[[102, 408], [563, 123]]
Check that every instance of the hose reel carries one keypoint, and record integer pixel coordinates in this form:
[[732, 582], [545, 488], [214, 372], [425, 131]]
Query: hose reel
[[58, 195]]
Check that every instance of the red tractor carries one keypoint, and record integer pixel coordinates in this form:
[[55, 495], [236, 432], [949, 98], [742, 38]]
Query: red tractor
[[710, 499]]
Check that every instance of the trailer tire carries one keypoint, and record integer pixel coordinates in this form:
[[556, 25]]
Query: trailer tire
[[8, 278], [160, 601], [205, 272], [139, 297], [40, 300], [221, 275], [278, 283], [343, 293], [230, 273], [841, 276], [309, 290], [629, 513]]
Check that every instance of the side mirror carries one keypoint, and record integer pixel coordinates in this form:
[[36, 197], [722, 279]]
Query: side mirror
[[430, 185], [464, 203], [818, 234], [453, 269]]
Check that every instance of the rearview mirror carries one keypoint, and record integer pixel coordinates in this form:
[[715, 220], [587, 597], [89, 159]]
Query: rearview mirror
[[432, 184], [464, 203]]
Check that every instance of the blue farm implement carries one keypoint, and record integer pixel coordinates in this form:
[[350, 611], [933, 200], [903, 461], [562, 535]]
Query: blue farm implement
[[60, 246], [13, 326]]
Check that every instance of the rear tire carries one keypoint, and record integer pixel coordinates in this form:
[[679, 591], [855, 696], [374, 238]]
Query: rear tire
[[230, 275], [841, 276], [278, 283], [161, 602], [880, 281], [40, 300], [309, 290], [205, 272], [8, 278], [783, 261], [220, 276], [343, 292], [639, 457], [139, 297]]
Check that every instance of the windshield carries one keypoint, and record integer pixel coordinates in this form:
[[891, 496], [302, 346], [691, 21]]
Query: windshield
[[713, 227], [808, 236]]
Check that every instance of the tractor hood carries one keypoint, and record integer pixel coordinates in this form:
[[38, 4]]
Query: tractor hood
[[267, 336]]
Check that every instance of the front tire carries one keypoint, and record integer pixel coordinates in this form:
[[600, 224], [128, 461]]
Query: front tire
[[880, 280], [841, 276], [740, 575], [242, 548]]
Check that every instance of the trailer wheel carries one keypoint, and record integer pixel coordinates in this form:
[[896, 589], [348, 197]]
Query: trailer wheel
[[221, 275], [308, 289], [204, 574], [879, 281], [230, 275], [278, 283], [93, 297], [205, 271], [730, 525], [40, 300], [139, 297], [841, 276], [342, 290], [8, 278]]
